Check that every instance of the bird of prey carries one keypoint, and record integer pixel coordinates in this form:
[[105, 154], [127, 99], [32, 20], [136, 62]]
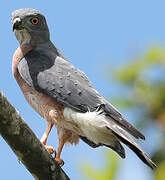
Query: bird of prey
[[63, 95]]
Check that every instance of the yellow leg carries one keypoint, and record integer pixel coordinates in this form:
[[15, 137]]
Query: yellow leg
[[63, 136], [58, 153], [44, 138]]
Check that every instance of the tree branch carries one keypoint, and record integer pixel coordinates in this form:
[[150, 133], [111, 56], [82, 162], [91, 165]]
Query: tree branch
[[26, 145]]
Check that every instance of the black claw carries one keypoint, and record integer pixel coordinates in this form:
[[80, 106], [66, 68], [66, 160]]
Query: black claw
[[62, 163], [54, 153]]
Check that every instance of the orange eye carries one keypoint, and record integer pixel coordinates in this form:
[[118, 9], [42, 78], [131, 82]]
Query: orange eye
[[34, 21]]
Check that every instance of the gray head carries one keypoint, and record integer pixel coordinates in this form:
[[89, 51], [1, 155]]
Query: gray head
[[30, 27]]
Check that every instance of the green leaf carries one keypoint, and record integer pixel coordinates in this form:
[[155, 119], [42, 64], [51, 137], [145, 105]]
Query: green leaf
[[160, 172]]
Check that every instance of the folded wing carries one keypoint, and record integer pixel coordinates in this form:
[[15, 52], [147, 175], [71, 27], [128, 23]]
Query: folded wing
[[57, 78]]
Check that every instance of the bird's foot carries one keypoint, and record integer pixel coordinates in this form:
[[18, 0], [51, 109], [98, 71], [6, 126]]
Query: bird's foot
[[59, 161], [50, 149]]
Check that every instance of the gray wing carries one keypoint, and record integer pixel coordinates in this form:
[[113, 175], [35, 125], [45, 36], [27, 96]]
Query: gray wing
[[57, 78]]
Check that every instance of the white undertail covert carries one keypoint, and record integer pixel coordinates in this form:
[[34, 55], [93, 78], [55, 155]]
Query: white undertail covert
[[92, 124]]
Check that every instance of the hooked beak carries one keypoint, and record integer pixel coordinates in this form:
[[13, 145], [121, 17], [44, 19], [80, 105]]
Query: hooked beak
[[17, 24]]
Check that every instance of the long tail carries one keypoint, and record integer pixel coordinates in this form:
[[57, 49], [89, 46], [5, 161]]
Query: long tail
[[124, 138], [138, 151]]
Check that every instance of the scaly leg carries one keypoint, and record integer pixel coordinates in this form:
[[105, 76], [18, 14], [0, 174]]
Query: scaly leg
[[44, 138], [63, 136], [58, 153]]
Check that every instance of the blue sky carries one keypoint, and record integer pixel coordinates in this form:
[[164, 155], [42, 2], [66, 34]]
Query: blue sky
[[91, 34]]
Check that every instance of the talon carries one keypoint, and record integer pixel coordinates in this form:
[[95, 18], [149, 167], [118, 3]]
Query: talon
[[50, 149], [62, 163], [54, 154], [59, 161]]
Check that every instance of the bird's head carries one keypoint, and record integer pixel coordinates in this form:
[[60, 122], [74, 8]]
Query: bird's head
[[30, 27]]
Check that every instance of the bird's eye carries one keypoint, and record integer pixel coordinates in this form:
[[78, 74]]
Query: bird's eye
[[34, 20]]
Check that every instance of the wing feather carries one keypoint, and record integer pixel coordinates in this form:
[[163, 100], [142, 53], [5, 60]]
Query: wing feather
[[56, 77]]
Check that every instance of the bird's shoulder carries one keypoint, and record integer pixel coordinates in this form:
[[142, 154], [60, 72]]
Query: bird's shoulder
[[54, 75]]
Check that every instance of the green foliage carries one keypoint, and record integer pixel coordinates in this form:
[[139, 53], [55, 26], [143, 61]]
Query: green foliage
[[108, 172], [132, 71], [146, 91], [144, 79], [159, 174]]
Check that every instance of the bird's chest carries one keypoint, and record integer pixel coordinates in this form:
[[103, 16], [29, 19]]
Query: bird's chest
[[34, 99], [50, 110], [40, 102], [47, 107]]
